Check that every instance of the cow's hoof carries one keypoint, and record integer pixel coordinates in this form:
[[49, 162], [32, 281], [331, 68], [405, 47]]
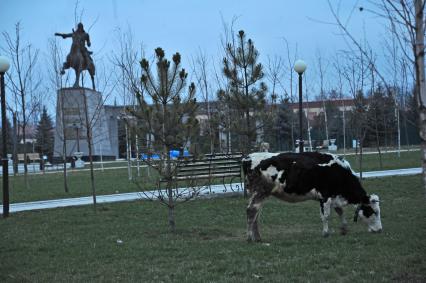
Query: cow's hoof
[[253, 240], [325, 234], [343, 231]]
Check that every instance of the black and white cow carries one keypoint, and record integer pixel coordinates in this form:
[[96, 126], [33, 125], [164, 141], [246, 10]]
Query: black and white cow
[[295, 177]]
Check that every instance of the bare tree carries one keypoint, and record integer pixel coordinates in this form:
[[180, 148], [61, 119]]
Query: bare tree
[[308, 124], [322, 69], [405, 95], [290, 62], [354, 72], [128, 79], [126, 59], [374, 105], [223, 113], [54, 69], [200, 68], [274, 74], [25, 82], [338, 68], [407, 20], [92, 118], [393, 54]]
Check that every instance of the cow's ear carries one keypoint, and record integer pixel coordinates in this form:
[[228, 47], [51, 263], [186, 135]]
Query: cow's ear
[[365, 200]]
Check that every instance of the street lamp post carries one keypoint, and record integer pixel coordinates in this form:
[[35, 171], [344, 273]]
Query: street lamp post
[[300, 67], [4, 66]]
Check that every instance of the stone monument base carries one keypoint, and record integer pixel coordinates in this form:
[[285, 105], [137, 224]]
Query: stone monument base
[[79, 109]]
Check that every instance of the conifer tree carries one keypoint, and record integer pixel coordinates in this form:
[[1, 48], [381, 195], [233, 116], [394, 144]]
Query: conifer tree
[[44, 135], [246, 91], [166, 116]]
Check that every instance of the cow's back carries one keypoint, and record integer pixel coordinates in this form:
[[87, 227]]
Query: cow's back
[[328, 174]]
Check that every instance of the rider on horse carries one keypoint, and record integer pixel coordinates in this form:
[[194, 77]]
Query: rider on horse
[[79, 39]]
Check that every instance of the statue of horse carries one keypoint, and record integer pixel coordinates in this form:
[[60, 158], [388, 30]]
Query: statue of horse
[[79, 57], [76, 60]]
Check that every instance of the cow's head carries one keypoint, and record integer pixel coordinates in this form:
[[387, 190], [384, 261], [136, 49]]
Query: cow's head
[[370, 214]]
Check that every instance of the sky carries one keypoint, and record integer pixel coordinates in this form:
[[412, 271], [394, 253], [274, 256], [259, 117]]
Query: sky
[[188, 26]]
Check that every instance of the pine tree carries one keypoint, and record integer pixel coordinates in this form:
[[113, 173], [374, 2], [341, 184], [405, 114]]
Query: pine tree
[[283, 125], [246, 91], [166, 115], [44, 135]]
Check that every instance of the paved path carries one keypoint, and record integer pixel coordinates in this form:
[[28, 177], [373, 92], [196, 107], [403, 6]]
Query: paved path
[[213, 190], [387, 173]]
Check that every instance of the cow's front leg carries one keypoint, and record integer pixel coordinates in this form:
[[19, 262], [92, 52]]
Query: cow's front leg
[[325, 211], [344, 227], [253, 210]]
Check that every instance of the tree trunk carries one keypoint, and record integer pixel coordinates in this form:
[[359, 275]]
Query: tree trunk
[[64, 145], [378, 142], [170, 187], [385, 124], [128, 152], [89, 145], [398, 125], [292, 131], [15, 144], [325, 121], [360, 159], [423, 143], [24, 138], [420, 78], [171, 207], [137, 156], [344, 128]]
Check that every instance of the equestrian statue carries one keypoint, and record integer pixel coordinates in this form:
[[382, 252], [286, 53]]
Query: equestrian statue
[[79, 57]]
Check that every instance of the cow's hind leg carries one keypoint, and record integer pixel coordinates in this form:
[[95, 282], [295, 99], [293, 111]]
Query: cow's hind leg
[[344, 227], [325, 211], [253, 210]]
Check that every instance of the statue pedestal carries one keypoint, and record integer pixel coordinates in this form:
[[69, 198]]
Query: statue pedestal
[[71, 124], [332, 146], [79, 163]]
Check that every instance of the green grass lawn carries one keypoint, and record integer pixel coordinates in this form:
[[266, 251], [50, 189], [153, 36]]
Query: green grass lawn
[[51, 186], [408, 159], [77, 244]]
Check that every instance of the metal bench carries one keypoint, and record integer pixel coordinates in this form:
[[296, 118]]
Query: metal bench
[[31, 157], [203, 172]]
